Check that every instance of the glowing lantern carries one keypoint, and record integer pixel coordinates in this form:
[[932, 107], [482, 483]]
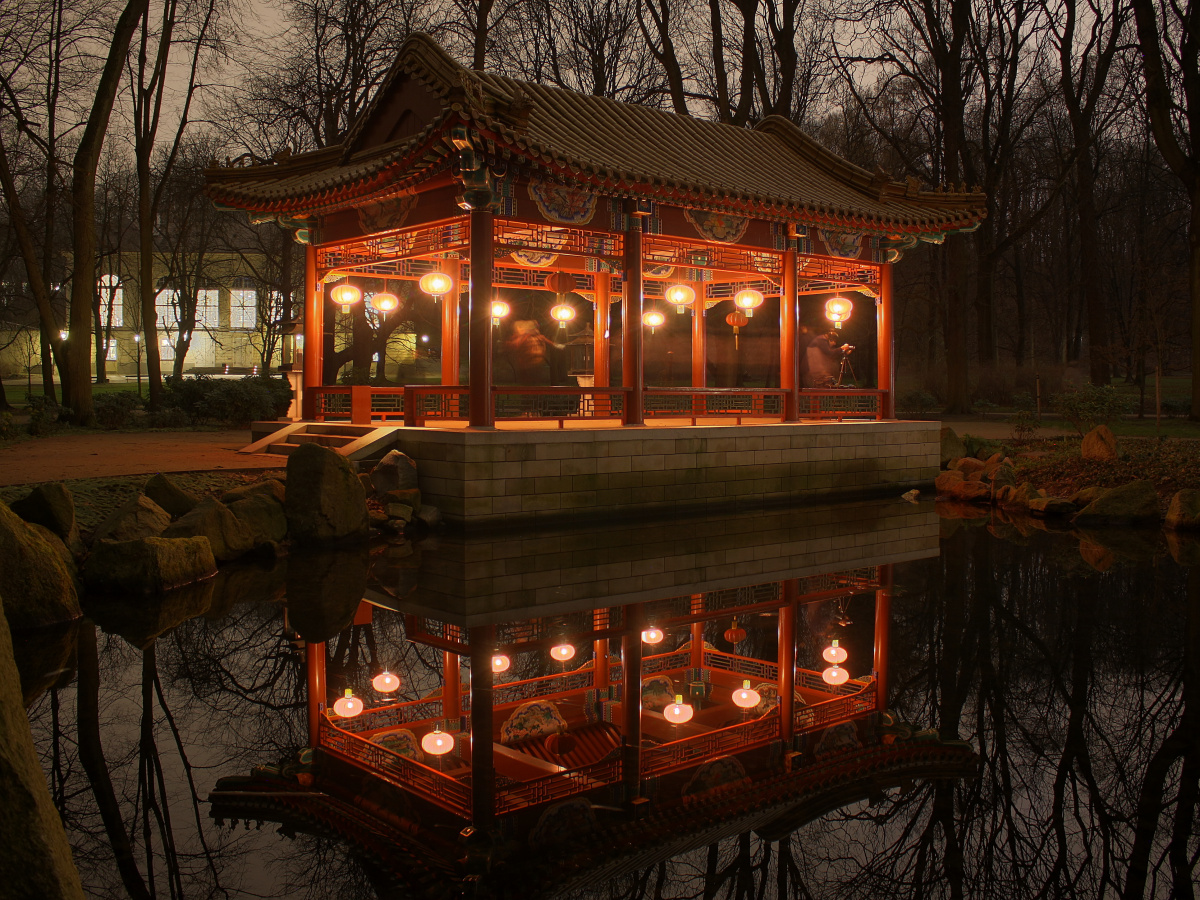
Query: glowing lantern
[[653, 635], [678, 712], [745, 696], [834, 654], [837, 310], [562, 313], [735, 635], [437, 742], [500, 663], [562, 652], [385, 302], [653, 319], [345, 295], [835, 675], [681, 295], [500, 309], [436, 284], [349, 706], [385, 682], [748, 301]]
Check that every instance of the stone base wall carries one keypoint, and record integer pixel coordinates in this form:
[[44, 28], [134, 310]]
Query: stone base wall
[[496, 478]]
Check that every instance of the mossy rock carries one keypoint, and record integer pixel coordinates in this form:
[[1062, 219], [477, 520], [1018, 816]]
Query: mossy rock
[[148, 565], [172, 498], [325, 499], [33, 576], [226, 534], [1135, 503]]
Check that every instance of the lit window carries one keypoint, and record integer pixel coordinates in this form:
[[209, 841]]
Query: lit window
[[166, 308], [110, 354], [166, 352], [111, 301], [243, 304], [208, 309]]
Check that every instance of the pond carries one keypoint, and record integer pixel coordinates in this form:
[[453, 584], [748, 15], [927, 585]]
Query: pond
[[1069, 664]]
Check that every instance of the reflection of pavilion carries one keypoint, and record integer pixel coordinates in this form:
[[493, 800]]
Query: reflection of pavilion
[[586, 735], [487, 192]]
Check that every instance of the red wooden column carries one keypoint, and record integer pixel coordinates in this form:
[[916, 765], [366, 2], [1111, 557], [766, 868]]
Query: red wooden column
[[479, 303], [314, 664], [883, 623], [697, 654], [450, 334], [789, 332], [886, 341], [699, 339], [787, 660], [314, 330], [452, 685], [600, 620], [632, 376], [600, 327], [631, 702], [483, 772]]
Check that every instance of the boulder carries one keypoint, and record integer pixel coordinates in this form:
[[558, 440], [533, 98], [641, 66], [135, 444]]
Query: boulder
[[268, 487], [1184, 511], [1050, 507], [138, 517], [260, 583], [947, 481], [1001, 475], [971, 492], [64, 552], [367, 483], [141, 620], [174, 499], [262, 517], [430, 515], [1135, 503], [410, 497], [1021, 494], [401, 511], [395, 472], [36, 861], [39, 588], [226, 534], [1099, 444], [148, 565], [1184, 547], [46, 658], [969, 465], [1084, 496], [325, 499], [378, 518], [51, 506], [952, 446]]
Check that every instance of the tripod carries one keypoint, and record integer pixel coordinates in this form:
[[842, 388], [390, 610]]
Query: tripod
[[847, 366]]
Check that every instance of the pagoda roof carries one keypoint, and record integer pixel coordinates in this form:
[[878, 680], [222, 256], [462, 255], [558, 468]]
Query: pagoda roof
[[772, 171]]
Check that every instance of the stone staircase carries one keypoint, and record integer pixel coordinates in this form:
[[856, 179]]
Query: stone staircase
[[355, 442]]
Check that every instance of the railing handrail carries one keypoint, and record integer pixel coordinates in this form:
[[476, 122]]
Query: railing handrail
[[653, 389]]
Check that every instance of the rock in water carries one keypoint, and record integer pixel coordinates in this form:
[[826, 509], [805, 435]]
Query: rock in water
[[36, 861], [325, 499], [1099, 444], [395, 472], [138, 517], [227, 536], [952, 446], [148, 565], [262, 517], [51, 506], [324, 590], [1184, 511], [1135, 503], [174, 499], [34, 578], [270, 487]]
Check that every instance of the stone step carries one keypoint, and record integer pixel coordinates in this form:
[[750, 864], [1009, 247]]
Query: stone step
[[325, 440], [338, 428], [283, 448]]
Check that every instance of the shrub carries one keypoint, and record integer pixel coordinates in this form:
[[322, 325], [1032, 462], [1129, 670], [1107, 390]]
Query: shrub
[[1090, 406], [984, 407], [115, 409], [1177, 407], [918, 402], [227, 401], [167, 417], [45, 415], [8, 431], [1024, 421]]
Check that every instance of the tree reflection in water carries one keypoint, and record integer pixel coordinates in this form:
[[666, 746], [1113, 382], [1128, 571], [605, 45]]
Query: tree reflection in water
[[1077, 687]]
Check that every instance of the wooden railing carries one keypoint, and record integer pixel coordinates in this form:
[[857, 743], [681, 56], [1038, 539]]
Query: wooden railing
[[830, 712], [417, 404], [691, 751], [557, 786]]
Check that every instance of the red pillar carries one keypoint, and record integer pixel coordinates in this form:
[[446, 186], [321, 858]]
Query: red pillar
[[883, 620], [452, 685], [314, 664], [632, 376], [789, 332], [600, 652], [480, 322], [697, 660], [450, 334], [483, 772], [631, 702], [886, 340], [314, 331], [600, 327], [787, 660], [699, 339]]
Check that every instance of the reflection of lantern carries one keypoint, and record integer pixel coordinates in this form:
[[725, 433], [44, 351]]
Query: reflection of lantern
[[348, 706], [653, 319], [500, 663], [738, 320], [385, 682], [562, 652], [745, 696], [345, 295], [500, 309], [834, 654], [385, 302], [678, 712], [837, 310], [835, 675], [562, 313], [681, 295], [748, 301], [735, 635], [652, 635], [437, 742], [435, 284]]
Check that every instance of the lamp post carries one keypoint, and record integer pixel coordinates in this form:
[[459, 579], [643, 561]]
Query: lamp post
[[137, 342]]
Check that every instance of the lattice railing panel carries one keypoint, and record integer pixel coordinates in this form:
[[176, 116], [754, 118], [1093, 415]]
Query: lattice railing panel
[[513, 235], [392, 715], [830, 712], [685, 402], [741, 665], [668, 251], [558, 786], [692, 751], [837, 403], [439, 237], [545, 686], [558, 403]]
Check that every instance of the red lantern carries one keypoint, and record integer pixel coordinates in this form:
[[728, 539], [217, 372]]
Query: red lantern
[[561, 282], [734, 634], [738, 320], [678, 712], [745, 696]]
